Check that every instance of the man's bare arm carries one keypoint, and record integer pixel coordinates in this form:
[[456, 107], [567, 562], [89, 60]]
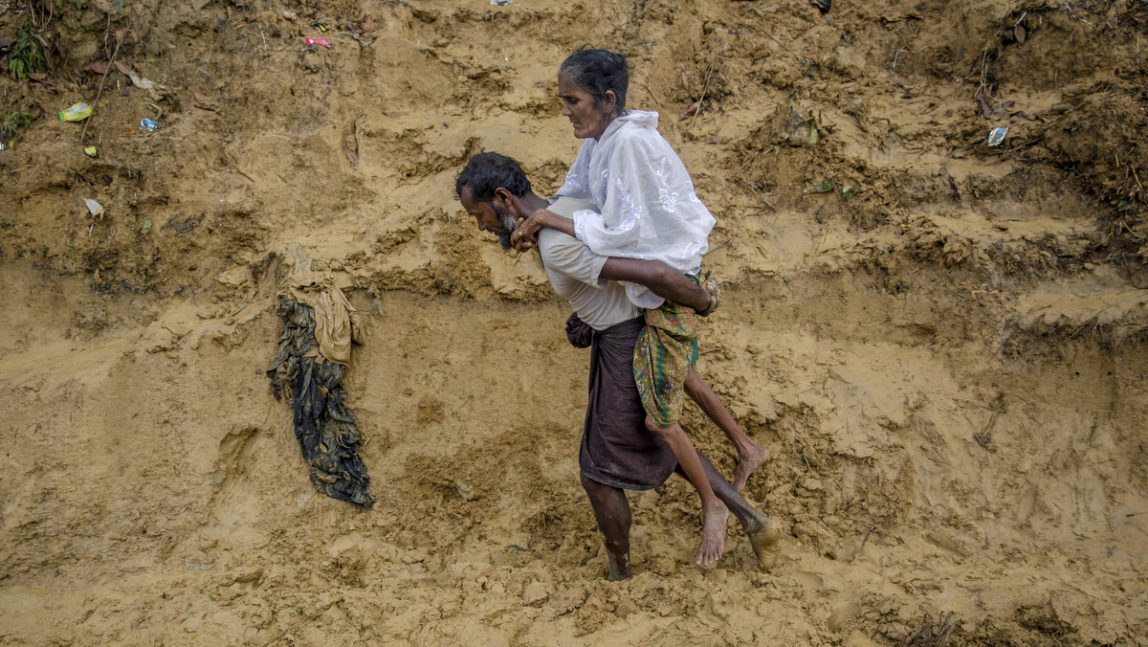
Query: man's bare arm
[[660, 278]]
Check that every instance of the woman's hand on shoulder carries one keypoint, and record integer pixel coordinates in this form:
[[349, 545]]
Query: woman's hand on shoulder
[[525, 235]]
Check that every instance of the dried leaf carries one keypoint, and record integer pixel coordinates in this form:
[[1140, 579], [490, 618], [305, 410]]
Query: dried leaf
[[690, 109], [986, 110], [205, 103], [97, 67], [897, 17], [953, 186], [135, 21], [154, 90]]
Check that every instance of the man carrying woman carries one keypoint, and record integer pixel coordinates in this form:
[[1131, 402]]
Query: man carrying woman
[[617, 451], [643, 207]]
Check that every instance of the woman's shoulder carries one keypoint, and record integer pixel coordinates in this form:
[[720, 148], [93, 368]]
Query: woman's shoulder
[[638, 123], [642, 131], [644, 118]]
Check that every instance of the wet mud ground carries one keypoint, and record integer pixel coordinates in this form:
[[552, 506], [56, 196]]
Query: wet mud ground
[[941, 343]]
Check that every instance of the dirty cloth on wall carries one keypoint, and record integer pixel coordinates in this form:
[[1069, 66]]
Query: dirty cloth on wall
[[324, 426], [319, 325]]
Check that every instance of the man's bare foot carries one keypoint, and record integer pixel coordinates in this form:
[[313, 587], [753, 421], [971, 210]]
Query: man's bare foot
[[766, 542], [712, 286], [713, 534], [747, 461]]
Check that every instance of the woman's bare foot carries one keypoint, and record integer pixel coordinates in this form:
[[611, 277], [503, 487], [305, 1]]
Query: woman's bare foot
[[712, 286], [713, 534], [766, 542], [748, 459]]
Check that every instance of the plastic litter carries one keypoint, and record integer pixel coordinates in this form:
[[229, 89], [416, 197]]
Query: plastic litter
[[322, 42], [90, 151], [2, 146], [76, 112], [148, 124], [997, 135], [95, 208], [500, 3], [205, 103], [355, 35]]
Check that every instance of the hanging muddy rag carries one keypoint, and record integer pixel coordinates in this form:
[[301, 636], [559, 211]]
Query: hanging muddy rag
[[319, 325]]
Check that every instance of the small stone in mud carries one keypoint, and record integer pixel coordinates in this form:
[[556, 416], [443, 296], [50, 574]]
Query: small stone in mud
[[841, 614], [535, 594], [414, 556]]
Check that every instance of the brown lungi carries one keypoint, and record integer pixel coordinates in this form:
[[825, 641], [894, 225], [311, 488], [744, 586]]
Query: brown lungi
[[617, 449]]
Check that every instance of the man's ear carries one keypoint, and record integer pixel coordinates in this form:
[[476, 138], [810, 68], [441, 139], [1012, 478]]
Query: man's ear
[[499, 199], [509, 202]]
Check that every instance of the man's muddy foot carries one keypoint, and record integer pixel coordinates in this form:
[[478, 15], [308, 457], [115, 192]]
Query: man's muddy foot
[[713, 535], [712, 286], [619, 569], [766, 542], [747, 463], [618, 577]]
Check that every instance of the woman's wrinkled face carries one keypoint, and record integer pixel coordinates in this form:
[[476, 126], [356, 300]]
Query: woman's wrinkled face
[[588, 119]]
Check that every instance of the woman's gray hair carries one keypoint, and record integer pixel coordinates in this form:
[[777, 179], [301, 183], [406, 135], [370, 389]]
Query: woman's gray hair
[[596, 71]]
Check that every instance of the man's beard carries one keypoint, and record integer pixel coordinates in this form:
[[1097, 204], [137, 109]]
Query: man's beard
[[508, 223]]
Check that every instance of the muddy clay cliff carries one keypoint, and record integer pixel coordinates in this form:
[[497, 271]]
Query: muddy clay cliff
[[942, 343]]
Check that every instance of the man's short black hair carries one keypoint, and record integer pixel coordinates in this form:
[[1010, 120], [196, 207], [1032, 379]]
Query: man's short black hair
[[486, 172]]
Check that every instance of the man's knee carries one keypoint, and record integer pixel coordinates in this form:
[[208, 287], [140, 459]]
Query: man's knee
[[597, 492], [588, 484]]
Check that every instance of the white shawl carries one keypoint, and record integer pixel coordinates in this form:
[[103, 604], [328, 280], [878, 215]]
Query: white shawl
[[648, 206]]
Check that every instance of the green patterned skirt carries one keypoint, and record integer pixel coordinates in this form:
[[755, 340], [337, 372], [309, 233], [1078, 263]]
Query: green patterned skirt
[[665, 352]]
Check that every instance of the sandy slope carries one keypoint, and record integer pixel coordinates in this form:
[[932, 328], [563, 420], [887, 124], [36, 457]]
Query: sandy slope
[[947, 360]]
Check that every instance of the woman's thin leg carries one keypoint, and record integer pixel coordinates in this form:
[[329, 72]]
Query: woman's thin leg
[[749, 454], [714, 513]]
